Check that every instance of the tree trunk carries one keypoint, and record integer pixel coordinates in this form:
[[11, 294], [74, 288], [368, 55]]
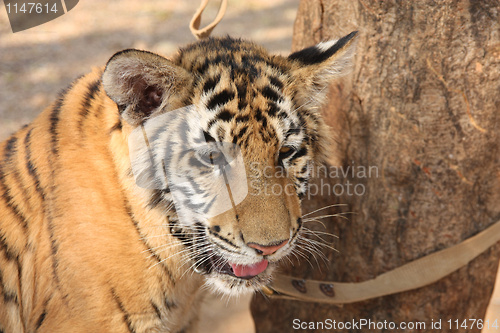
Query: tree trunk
[[422, 110]]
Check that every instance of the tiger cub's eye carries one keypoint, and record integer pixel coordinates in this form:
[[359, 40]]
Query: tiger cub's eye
[[214, 158], [285, 152]]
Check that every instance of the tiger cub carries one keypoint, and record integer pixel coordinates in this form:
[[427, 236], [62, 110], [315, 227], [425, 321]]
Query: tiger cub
[[152, 179]]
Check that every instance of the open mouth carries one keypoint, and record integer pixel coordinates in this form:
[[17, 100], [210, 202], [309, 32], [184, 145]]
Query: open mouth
[[222, 266]]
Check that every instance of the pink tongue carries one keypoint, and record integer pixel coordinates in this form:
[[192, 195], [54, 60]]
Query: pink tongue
[[249, 270]]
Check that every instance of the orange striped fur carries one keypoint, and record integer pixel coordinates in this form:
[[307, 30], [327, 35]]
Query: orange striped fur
[[84, 249]]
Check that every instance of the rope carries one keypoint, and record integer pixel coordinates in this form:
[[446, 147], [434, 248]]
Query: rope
[[194, 25]]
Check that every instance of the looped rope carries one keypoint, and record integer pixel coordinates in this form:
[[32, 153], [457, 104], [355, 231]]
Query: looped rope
[[194, 25]]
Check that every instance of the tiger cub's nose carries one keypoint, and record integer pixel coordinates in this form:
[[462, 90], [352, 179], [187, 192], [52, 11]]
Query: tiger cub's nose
[[267, 249]]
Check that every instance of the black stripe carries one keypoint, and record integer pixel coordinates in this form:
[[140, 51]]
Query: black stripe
[[208, 137], [188, 100], [264, 125], [240, 134], [276, 82], [32, 170], [11, 150], [158, 313], [192, 206], [126, 315], [241, 89], [184, 189], [15, 172], [54, 115], [282, 115], [209, 205], [242, 118], [170, 304], [242, 103], [92, 89], [299, 224], [270, 94], [278, 66], [225, 115], [177, 233], [244, 143], [9, 253], [211, 123], [301, 152], [20, 282], [211, 83], [54, 121], [227, 61], [272, 109], [157, 197], [221, 132], [225, 248], [258, 115], [54, 248], [200, 67], [116, 127], [249, 61], [291, 131], [222, 238], [10, 296], [251, 71], [40, 319], [220, 98], [143, 239]]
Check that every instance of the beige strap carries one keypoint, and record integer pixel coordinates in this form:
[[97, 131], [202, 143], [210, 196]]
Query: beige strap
[[196, 20], [416, 274]]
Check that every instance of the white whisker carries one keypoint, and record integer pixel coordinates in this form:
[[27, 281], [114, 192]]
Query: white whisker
[[314, 232], [325, 216], [322, 208]]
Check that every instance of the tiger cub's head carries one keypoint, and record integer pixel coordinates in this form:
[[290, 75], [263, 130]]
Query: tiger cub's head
[[224, 138]]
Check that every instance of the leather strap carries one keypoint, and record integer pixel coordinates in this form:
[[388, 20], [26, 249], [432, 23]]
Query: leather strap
[[194, 26], [416, 274]]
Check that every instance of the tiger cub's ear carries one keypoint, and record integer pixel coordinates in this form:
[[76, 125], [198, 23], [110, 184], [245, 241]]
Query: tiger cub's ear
[[317, 66], [142, 83]]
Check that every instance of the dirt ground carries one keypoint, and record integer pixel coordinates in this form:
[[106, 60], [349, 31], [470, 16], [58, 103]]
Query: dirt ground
[[37, 63]]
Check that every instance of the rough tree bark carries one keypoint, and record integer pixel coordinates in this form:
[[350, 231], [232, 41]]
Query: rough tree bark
[[422, 106]]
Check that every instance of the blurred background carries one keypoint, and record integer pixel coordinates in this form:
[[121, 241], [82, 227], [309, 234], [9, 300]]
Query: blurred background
[[37, 63]]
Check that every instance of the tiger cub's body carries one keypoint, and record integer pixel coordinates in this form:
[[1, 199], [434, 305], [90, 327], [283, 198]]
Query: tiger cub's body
[[83, 248]]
